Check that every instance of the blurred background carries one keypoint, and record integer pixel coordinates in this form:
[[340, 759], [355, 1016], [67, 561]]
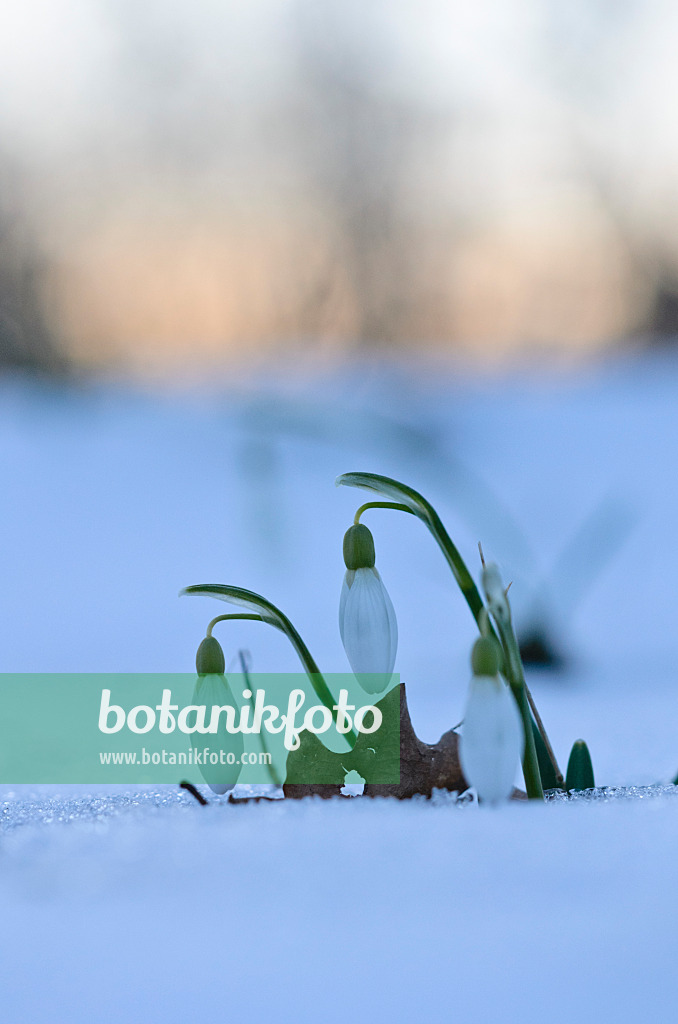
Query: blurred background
[[210, 184]]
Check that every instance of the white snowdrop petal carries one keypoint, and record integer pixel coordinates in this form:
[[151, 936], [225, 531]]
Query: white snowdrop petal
[[491, 743], [342, 601], [393, 624], [212, 690], [369, 629]]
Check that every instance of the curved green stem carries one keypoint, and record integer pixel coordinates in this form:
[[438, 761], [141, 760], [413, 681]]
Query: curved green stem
[[267, 612], [233, 615], [380, 504]]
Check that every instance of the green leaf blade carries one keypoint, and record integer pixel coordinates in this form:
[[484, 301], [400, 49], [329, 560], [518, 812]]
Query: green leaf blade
[[241, 598], [390, 488]]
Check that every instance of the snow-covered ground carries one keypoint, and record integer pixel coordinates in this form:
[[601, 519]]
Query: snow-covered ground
[[154, 909]]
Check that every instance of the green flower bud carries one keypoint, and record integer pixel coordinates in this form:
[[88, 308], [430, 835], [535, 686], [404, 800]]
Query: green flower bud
[[496, 594], [359, 548], [579, 768], [210, 658], [485, 657]]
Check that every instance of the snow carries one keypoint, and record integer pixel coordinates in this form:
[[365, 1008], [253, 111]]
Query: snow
[[149, 907], [298, 911]]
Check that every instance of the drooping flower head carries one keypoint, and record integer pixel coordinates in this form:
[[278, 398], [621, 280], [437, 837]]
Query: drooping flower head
[[367, 620], [212, 689], [492, 738]]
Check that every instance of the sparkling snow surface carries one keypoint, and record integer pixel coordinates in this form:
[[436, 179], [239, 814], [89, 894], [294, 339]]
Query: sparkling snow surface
[[143, 906]]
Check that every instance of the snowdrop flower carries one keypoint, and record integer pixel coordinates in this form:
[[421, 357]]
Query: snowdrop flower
[[492, 739], [367, 622], [212, 689]]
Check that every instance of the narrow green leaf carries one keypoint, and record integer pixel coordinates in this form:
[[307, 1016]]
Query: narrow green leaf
[[546, 769], [242, 598]]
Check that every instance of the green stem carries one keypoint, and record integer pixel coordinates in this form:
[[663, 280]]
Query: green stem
[[516, 679], [544, 735], [381, 504], [233, 615], [275, 778], [456, 563]]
